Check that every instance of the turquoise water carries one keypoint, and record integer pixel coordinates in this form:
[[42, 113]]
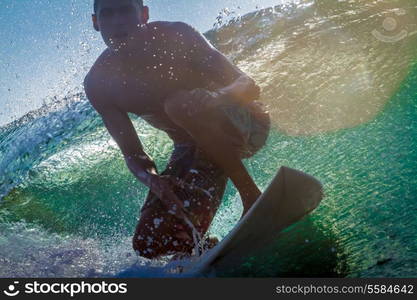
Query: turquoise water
[[69, 204], [366, 226]]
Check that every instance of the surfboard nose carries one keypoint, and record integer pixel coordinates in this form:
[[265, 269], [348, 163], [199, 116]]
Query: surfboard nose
[[299, 184], [289, 197]]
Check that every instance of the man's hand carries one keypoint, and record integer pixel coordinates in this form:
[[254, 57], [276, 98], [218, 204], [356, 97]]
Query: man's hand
[[243, 90], [162, 187]]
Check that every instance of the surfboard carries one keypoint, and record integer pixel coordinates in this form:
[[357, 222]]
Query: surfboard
[[290, 196]]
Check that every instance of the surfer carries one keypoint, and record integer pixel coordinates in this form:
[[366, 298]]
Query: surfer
[[168, 74]]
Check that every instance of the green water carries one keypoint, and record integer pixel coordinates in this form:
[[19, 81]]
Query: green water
[[344, 109], [366, 225]]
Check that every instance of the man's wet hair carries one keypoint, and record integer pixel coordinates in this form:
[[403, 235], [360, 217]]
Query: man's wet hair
[[96, 2]]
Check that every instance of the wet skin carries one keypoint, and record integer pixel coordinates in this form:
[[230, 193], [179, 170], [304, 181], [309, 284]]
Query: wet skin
[[158, 71]]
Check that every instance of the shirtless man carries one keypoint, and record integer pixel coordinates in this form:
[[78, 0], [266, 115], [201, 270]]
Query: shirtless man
[[168, 74]]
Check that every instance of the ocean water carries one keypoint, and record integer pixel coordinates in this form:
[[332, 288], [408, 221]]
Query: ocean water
[[340, 80]]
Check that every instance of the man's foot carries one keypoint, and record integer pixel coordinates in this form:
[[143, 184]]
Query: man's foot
[[210, 242], [180, 256]]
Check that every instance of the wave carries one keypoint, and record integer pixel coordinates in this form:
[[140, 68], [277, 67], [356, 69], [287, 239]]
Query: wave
[[320, 66], [342, 101]]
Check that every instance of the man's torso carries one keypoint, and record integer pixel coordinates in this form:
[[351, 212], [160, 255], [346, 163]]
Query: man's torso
[[143, 83]]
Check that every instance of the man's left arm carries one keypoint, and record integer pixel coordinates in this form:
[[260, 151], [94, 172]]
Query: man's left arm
[[235, 84]]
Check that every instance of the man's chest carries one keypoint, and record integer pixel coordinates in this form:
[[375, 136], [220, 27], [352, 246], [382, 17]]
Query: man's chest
[[144, 90]]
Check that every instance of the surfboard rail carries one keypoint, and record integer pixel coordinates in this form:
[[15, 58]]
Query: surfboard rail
[[290, 196]]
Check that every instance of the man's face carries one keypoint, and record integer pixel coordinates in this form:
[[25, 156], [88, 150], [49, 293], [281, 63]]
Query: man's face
[[119, 21]]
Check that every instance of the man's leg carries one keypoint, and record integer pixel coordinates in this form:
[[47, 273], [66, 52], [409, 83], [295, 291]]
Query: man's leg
[[160, 233], [209, 135]]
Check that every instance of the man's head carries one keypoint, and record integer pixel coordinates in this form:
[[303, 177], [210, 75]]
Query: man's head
[[97, 2], [119, 20]]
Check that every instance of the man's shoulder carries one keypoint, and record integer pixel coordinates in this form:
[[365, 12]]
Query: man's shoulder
[[173, 28], [90, 83], [94, 85], [96, 74], [168, 25]]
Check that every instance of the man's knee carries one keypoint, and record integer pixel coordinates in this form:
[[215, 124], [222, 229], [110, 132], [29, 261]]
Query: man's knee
[[176, 109], [152, 243], [144, 246], [145, 240]]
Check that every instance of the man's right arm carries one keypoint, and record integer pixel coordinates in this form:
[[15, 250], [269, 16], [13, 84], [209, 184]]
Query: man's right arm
[[124, 134], [143, 168]]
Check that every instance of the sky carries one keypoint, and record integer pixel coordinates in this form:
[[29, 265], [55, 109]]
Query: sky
[[47, 46]]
